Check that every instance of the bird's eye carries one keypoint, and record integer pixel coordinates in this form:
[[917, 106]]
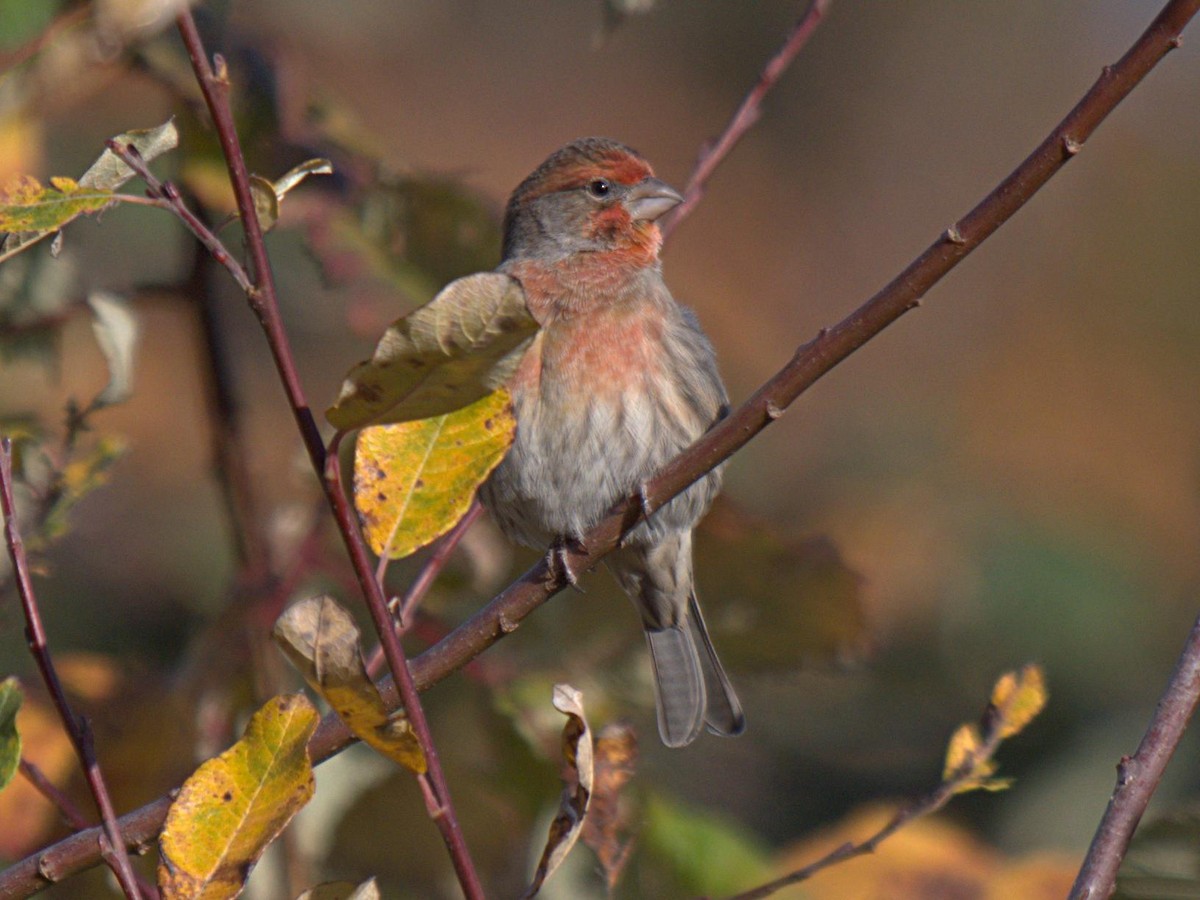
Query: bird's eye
[[599, 188]]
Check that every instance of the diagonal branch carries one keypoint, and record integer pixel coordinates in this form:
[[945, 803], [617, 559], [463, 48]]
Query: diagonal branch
[[811, 361], [214, 84], [1138, 776]]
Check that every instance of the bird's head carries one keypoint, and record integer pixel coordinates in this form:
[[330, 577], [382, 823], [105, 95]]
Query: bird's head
[[592, 196]]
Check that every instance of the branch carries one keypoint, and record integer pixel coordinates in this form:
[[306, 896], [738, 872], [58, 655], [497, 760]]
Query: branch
[[78, 728], [167, 194], [811, 361], [1138, 776], [264, 301], [714, 153]]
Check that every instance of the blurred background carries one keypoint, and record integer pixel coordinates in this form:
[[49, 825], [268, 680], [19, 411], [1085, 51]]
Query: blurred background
[[1010, 474]]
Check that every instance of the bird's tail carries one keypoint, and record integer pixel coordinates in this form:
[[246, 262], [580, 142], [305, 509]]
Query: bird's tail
[[690, 685]]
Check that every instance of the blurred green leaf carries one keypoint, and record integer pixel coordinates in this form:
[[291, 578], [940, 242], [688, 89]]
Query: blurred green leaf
[[22, 20], [707, 853], [10, 739]]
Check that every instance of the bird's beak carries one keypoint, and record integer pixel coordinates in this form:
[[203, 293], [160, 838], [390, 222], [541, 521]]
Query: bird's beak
[[651, 198]]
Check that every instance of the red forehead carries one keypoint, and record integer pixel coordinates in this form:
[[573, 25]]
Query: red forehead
[[571, 170]]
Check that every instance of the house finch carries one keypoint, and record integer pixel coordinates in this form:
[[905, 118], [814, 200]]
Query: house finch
[[618, 381]]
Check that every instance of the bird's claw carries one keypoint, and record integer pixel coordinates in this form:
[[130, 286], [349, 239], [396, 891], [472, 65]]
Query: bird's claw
[[559, 562]]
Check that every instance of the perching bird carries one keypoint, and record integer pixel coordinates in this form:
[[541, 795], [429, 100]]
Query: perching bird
[[617, 382]]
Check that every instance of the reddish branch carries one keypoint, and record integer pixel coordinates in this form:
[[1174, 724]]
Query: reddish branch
[[747, 113], [78, 728], [810, 362], [1138, 776], [214, 84]]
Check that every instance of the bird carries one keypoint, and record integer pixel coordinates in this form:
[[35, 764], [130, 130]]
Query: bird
[[618, 380]]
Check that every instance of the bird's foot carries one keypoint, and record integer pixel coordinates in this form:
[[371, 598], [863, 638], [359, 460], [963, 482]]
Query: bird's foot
[[559, 561]]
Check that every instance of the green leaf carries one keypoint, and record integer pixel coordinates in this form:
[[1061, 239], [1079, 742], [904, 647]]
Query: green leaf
[[27, 205], [10, 739], [414, 480], [452, 351], [232, 807], [708, 854], [321, 640]]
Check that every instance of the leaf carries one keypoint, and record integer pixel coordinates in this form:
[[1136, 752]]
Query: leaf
[[414, 480], [10, 739], [343, 890], [577, 786], [26, 205], [109, 171], [1017, 699], [266, 202], [708, 854], [775, 600], [604, 829], [105, 175], [233, 806], [454, 350], [297, 174], [967, 765], [321, 640], [78, 479], [268, 197], [117, 330], [28, 817]]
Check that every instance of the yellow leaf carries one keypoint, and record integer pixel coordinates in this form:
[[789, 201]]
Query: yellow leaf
[[1017, 699], [414, 480], [25, 205], [233, 806], [322, 642], [461, 346], [963, 747]]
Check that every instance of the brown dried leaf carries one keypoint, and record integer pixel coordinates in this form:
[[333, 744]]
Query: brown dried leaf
[[577, 786]]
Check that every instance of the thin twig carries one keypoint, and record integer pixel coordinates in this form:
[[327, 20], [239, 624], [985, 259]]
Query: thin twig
[[214, 84], [1138, 776], [78, 728], [66, 807], [229, 449], [505, 613], [70, 812], [407, 605], [955, 782], [169, 194], [714, 153]]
